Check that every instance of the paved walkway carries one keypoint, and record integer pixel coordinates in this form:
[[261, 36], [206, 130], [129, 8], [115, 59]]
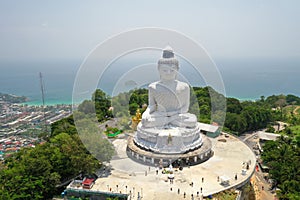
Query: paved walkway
[[261, 187], [128, 176]]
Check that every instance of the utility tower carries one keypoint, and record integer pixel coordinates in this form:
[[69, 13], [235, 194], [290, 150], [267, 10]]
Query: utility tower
[[43, 100]]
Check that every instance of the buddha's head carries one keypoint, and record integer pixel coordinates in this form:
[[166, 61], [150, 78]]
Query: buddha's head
[[168, 65]]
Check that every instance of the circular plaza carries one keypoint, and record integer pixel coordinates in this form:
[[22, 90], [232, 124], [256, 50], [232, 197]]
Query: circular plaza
[[231, 166]]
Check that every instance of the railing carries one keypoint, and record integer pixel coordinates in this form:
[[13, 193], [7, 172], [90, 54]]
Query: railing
[[92, 193]]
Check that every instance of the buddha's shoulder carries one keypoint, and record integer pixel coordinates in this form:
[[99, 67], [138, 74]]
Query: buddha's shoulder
[[182, 85], [154, 85]]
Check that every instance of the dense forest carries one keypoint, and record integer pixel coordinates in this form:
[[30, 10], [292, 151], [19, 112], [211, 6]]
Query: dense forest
[[37, 173], [209, 106], [283, 158]]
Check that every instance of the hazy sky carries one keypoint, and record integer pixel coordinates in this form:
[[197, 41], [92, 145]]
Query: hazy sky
[[43, 30]]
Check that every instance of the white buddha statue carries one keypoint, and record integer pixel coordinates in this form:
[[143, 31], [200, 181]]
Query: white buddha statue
[[168, 98]]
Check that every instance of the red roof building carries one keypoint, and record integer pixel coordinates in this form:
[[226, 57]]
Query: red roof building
[[88, 183]]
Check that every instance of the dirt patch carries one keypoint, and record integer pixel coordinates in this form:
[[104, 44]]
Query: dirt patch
[[297, 110]]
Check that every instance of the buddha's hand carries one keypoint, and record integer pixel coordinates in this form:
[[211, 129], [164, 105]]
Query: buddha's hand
[[183, 116], [170, 114]]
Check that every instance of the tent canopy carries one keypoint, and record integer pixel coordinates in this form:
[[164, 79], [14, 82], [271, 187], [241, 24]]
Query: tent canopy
[[224, 178]]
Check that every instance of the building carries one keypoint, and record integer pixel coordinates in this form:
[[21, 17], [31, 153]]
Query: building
[[210, 130]]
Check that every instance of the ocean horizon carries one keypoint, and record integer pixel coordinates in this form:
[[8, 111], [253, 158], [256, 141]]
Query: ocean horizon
[[243, 79]]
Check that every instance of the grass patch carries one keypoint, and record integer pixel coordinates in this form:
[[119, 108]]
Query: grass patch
[[291, 109], [295, 129], [288, 109], [226, 195]]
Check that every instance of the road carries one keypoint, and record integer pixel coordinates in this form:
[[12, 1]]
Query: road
[[261, 186], [295, 110]]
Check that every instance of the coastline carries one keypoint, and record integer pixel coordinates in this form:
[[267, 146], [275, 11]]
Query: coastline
[[50, 103], [34, 101], [244, 99], [70, 102]]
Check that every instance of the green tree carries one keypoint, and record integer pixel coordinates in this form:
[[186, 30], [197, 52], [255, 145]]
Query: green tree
[[133, 107], [270, 129], [65, 125], [236, 122], [87, 107], [102, 104], [233, 105], [34, 173], [94, 140], [31, 176], [292, 99], [283, 159]]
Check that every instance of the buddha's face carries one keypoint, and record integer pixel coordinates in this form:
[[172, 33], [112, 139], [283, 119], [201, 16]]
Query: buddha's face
[[167, 72]]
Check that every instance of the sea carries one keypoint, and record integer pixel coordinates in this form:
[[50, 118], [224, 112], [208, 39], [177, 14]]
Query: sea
[[244, 79]]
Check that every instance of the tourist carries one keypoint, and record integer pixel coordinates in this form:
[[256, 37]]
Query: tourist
[[202, 179], [178, 191], [184, 194], [133, 191]]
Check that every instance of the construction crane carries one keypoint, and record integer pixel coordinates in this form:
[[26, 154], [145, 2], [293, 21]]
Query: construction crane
[[43, 100]]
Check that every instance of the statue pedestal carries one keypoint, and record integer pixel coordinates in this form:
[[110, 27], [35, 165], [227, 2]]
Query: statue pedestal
[[168, 141], [167, 154]]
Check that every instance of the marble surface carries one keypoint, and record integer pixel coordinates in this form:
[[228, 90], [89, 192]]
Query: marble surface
[[166, 125]]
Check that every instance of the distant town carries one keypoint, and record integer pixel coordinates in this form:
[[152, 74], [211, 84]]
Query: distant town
[[23, 125]]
